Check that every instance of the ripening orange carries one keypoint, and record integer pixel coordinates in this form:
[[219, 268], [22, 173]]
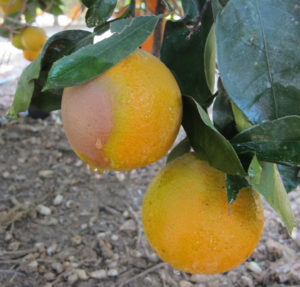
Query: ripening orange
[[151, 5], [30, 55], [148, 44], [17, 41], [127, 117], [33, 38], [189, 224], [10, 6], [75, 12]]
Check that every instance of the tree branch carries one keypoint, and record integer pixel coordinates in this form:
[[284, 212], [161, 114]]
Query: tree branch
[[160, 8], [199, 19]]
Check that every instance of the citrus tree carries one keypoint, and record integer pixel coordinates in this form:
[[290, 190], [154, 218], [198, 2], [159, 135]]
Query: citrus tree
[[237, 67], [17, 17]]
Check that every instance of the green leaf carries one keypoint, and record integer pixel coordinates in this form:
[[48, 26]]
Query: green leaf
[[260, 68], [217, 6], [25, 89], [274, 141], [59, 45], [90, 61], [254, 170], [99, 11], [56, 10], [210, 59], [290, 177], [240, 119], [271, 187], [190, 8], [184, 57], [222, 115], [35, 75], [234, 184], [183, 147], [207, 141]]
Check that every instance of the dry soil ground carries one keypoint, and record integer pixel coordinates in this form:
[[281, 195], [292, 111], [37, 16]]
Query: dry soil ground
[[62, 225]]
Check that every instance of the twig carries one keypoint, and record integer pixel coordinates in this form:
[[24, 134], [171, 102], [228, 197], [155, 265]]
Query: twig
[[198, 20], [15, 272], [160, 8], [138, 223], [16, 254], [149, 270]]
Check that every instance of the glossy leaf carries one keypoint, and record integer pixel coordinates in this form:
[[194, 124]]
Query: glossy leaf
[[190, 8], [275, 141], [271, 187], [290, 177], [240, 119], [99, 11], [207, 141], [223, 117], [234, 184], [258, 57], [210, 59], [33, 78], [185, 57], [181, 148], [254, 170], [89, 62]]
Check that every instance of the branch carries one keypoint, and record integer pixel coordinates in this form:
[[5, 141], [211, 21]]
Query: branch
[[160, 9], [198, 20]]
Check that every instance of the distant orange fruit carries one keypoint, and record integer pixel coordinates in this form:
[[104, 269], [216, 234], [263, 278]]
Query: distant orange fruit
[[189, 224], [127, 117], [75, 12], [10, 6], [17, 41], [148, 44], [33, 38], [30, 55]]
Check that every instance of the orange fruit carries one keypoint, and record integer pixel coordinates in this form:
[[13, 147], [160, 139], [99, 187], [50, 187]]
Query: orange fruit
[[125, 118], [75, 12], [30, 55], [33, 38], [17, 41], [188, 223], [151, 5], [10, 6], [138, 12], [148, 44]]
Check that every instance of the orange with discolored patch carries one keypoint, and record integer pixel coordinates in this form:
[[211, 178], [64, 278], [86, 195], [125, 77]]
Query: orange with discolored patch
[[125, 118], [188, 222]]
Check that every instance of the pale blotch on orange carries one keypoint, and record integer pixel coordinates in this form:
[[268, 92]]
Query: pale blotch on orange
[[188, 223], [125, 118]]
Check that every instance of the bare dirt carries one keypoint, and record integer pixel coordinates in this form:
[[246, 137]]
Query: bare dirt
[[62, 225]]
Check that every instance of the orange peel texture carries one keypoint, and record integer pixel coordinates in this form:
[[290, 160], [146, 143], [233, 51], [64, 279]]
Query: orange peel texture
[[127, 117], [189, 224]]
